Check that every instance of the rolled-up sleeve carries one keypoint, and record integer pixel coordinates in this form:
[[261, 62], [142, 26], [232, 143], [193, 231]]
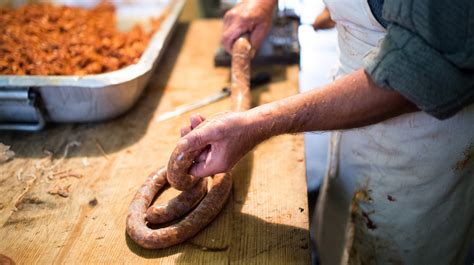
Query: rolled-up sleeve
[[427, 56]]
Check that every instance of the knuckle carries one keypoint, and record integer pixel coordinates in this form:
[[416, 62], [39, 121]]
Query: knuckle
[[182, 144], [246, 17], [229, 15], [198, 139], [233, 12], [221, 130]]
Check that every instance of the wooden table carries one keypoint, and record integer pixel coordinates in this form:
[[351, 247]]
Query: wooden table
[[264, 222]]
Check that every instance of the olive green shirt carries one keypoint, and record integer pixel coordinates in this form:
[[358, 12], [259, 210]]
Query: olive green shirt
[[427, 54]]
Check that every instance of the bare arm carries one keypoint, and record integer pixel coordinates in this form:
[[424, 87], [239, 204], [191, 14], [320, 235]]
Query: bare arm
[[352, 101]]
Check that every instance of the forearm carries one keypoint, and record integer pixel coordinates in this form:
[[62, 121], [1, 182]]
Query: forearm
[[269, 3], [350, 102]]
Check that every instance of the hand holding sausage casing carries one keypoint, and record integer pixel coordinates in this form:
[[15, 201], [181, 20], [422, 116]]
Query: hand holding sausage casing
[[176, 174]]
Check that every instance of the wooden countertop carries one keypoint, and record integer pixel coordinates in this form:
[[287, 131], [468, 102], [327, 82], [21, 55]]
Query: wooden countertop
[[264, 222]]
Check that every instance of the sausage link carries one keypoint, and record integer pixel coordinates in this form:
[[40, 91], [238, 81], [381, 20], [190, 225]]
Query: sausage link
[[178, 166], [177, 233], [177, 176], [240, 78], [180, 162], [178, 206]]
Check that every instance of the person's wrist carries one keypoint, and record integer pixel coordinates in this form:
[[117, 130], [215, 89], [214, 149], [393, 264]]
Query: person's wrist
[[267, 6], [269, 3], [258, 121]]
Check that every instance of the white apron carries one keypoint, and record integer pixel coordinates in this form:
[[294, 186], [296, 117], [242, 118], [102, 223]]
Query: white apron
[[400, 191]]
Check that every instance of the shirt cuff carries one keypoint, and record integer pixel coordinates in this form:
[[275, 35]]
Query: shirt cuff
[[404, 62]]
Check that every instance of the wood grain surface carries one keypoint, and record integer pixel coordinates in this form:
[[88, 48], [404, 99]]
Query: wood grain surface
[[264, 222]]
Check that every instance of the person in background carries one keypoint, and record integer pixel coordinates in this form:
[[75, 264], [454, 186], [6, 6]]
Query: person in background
[[324, 21], [399, 187]]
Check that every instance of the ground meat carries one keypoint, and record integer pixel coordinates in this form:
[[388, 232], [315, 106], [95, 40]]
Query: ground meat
[[44, 39]]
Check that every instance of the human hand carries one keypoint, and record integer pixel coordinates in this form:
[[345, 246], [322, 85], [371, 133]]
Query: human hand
[[324, 20], [224, 139], [251, 16]]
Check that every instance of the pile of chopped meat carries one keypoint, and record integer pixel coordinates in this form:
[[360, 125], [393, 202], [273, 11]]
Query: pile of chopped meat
[[44, 39]]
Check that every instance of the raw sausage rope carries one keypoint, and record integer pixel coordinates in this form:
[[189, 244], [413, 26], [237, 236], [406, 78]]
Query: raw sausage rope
[[209, 203]]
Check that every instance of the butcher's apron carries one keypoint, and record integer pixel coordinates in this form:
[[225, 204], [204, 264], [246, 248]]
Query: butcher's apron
[[400, 191]]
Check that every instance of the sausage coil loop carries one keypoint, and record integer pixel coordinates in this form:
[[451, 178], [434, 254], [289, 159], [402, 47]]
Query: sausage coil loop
[[200, 204]]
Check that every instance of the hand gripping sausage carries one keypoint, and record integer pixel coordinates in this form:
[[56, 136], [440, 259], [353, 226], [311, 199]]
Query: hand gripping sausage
[[193, 189]]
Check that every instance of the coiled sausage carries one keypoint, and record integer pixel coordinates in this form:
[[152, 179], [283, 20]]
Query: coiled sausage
[[176, 174]]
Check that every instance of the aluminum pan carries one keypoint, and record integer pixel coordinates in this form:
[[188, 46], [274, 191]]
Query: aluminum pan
[[101, 96]]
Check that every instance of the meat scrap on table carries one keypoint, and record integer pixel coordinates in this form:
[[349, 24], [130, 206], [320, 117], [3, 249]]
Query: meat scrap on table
[[6, 154]]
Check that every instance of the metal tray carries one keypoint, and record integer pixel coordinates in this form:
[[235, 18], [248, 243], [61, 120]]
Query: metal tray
[[28, 102]]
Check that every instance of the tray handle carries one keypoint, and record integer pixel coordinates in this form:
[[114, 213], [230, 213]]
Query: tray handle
[[15, 104]]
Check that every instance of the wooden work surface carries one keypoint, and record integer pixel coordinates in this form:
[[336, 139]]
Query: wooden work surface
[[264, 222]]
